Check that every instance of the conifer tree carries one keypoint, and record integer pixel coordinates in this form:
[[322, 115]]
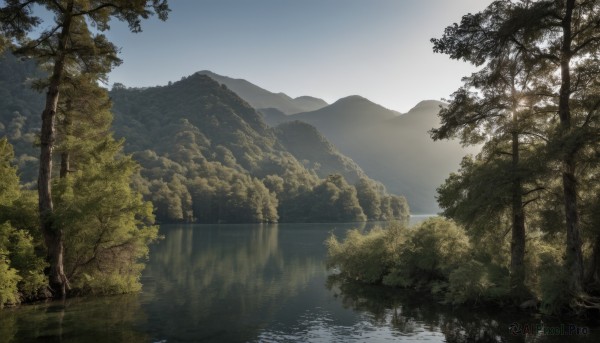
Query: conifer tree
[[67, 41], [496, 106], [563, 36]]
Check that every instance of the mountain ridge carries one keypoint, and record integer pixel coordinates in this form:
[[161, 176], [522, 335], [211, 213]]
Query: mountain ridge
[[207, 156], [259, 97], [392, 147]]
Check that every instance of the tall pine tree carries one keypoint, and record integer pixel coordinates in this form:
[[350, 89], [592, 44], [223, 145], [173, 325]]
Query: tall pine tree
[[67, 41], [564, 36]]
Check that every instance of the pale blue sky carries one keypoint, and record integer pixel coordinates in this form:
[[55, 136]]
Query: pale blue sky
[[379, 49]]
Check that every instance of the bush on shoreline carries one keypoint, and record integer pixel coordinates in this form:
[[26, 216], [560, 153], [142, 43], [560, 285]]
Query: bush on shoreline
[[440, 257]]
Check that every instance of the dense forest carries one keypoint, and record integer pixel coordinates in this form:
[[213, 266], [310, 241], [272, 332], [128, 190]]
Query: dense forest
[[106, 165], [391, 147], [206, 156], [522, 215]]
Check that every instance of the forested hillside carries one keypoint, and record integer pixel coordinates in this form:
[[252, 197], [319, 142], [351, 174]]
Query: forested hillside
[[310, 147], [207, 156], [391, 147], [20, 112]]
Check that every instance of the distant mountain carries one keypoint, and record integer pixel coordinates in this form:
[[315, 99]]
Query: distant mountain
[[273, 116], [391, 147], [346, 113], [310, 147], [198, 141], [260, 98]]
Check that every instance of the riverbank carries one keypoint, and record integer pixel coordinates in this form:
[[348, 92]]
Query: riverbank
[[439, 257]]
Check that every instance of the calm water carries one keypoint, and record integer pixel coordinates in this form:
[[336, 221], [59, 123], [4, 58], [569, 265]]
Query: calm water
[[259, 283]]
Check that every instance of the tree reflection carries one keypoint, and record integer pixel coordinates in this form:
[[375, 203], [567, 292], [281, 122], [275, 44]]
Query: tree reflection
[[408, 312], [75, 320], [233, 278]]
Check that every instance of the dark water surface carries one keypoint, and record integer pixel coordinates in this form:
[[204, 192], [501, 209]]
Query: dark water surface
[[265, 283]]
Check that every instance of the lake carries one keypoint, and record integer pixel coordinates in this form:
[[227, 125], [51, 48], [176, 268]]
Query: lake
[[266, 283]]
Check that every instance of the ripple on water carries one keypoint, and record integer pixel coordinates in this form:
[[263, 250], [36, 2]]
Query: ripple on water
[[319, 326]]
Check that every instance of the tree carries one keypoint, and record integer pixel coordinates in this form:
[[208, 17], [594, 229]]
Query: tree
[[83, 117], [67, 42], [563, 36], [497, 106], [107, 224], [369, 198]]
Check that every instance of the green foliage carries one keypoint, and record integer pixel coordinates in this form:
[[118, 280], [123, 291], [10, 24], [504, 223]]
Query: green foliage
[[8, 282], [359, 256], [334, 200], [24, 260], [548, 277], [423, 256], [435, 255], [474, 282], [369, 198], [21, 269], [107, 225], [9, 181], [431, 252]]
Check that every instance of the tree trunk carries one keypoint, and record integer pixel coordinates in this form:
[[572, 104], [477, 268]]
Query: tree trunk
[[574, 259], [53, 236], [65, 155], [592, 279], [517, 246], [574, 256], [65, 164]]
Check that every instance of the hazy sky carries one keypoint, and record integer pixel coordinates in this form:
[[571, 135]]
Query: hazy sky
[[330, 49]]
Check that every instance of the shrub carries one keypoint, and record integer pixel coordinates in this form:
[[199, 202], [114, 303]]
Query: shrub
[[360, 256], [8, 282], [23, 267], [397, 256], [475, 281], [432, 250], [553, 281]]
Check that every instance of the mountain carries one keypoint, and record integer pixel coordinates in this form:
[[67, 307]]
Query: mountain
[[207, 156], [346, 113], [20, 110], [391, 147], [273, 116], [260, 98], [309, 146]]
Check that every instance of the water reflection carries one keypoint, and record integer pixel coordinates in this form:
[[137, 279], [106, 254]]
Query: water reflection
[[107, 319], [409, 314], [227, 282], [255, 283]]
